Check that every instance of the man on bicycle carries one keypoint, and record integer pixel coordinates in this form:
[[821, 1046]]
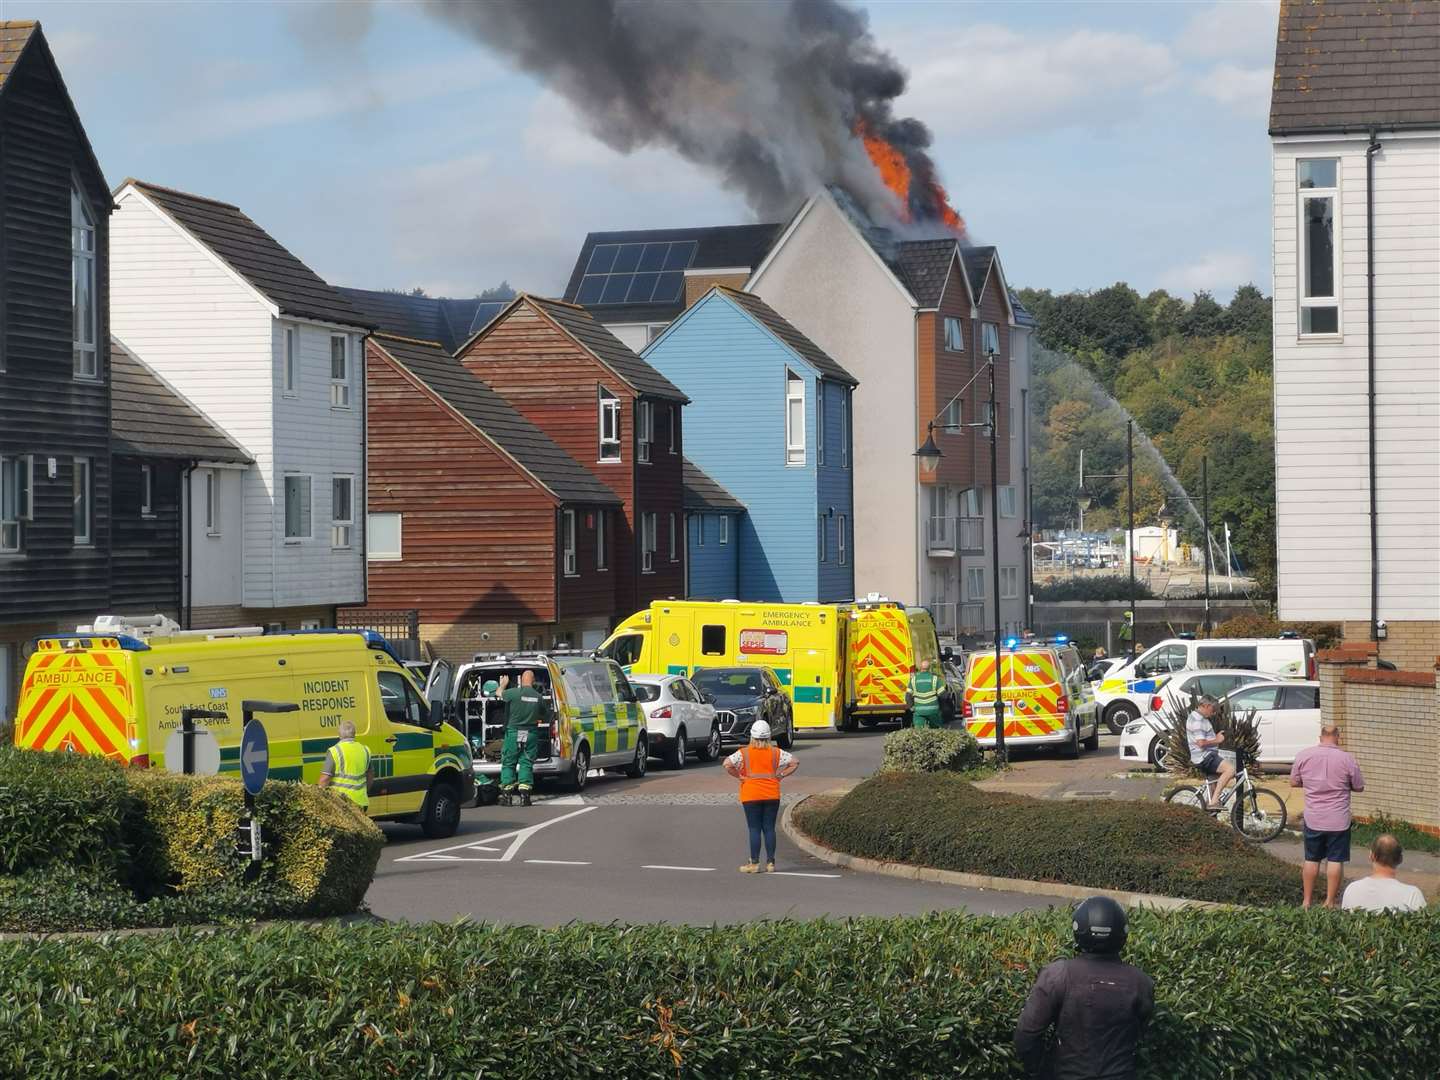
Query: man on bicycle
[[1204, 748]]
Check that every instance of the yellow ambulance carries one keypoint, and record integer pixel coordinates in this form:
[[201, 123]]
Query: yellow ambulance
[[1048, 700], [840, 664], [117, 689]]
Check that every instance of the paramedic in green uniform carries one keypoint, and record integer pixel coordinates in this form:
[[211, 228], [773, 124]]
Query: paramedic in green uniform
[[924, 696], [524, 721]]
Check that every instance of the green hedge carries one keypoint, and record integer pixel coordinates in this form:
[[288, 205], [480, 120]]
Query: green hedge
[[1261, 994], [941, 821], [87, 844], [930, 750]]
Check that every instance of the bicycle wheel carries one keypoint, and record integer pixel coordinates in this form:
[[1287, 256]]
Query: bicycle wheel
[[1259, 815], [1188, 797]]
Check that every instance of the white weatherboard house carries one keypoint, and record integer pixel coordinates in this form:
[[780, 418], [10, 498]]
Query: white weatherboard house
[[1355, 132], [273, 355]]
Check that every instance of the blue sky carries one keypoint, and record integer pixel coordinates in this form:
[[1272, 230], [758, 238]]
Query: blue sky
[[1093, 142]]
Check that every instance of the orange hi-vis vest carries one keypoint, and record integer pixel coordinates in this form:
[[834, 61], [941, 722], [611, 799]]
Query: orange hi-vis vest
[[759, 773]]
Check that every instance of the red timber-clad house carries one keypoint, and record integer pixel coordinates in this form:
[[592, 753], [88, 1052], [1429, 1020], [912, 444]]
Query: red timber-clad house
[[477, 518], [609, 410]]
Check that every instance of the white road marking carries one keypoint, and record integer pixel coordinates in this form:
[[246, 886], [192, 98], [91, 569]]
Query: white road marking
[[697, 869], [566, 800], [556, 862], [797, 873], [517, 837]]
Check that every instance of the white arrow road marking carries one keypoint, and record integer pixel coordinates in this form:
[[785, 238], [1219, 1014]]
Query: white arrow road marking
[[697, 869], [517, 837], [253, 755]]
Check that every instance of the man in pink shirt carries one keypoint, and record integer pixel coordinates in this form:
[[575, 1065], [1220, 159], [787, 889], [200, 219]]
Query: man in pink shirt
[[1328, 775]]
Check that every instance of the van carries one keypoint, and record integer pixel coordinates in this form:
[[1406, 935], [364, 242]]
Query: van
[[1125, 691], [887, 644], [117, 689], [1048, 701]]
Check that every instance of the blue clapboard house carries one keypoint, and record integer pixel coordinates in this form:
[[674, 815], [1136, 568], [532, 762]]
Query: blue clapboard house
[[769, 423]]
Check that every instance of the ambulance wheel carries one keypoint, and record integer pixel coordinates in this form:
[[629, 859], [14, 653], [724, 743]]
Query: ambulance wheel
[[582, 769], [440, 816], [636, 769], [848, 721], [711, 750], [675, 759], [867, 722], [1071, 750], [1093, 741], [1120, 714]]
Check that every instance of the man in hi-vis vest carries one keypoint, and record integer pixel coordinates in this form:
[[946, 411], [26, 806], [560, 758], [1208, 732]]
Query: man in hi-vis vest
[[924, 697], [347, 767]]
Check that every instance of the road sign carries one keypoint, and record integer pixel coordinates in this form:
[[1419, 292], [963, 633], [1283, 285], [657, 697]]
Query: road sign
[[254, 757], [206, 751]]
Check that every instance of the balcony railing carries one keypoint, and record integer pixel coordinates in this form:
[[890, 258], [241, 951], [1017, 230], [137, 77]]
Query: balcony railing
[[971, 617], [971, 531], [952, 619], [945, 624], [940, 536]]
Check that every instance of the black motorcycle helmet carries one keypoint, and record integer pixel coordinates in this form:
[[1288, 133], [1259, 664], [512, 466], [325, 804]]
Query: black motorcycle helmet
[[1099, 925]]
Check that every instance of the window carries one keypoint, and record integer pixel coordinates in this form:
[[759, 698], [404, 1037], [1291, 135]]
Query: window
[[648, 543], [382, 533], [212, 502], [571, 556], [972, 504], [1170, 658], [674, 429], [674, 541], [1301, 697], [309, 624], [1007, 501], [845, 428], [1009, 582], [1260, 698], [794, 419], [1010, 421], [297, 507], [989, 338], [821, 544], [147, 491], [401, 703], [83, 301], [712, 641], [609, 426], [700, 529], [1227, 656], [342, 511], [1319, 183], [975, 583], [81, 501], [339, 371], [644, 430], [724, 528], [1216, 685], [954, 335], [16, 476], [602, 540], [626, 650], [819, 422], [840, 542], [292, 359], [951, 419]]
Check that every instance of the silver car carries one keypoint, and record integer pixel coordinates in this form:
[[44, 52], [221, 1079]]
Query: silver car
[[677, 718]]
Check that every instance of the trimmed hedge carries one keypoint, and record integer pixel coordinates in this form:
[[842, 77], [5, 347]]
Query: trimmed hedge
[[930, 750], [85, 843], [1237, 994], [941, 821]]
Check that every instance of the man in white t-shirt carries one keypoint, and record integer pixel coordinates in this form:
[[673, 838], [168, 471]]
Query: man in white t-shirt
[[1382, 891]]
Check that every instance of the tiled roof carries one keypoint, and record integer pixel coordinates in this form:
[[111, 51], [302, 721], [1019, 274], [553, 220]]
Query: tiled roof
[[1022, 313], [149, 418], [492, 415], [703, 493], [1356, 64], [608, 349], [716, 247], [773, 321], [15, 34], [425, 318], [256, 256], [925, 264], [976, 261]]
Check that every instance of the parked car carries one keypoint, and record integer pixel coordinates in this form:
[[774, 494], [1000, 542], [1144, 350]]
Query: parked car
[[1098, 669], [742, 695], [954, 677], [677, 719], [1289, 714], [1144, 739]]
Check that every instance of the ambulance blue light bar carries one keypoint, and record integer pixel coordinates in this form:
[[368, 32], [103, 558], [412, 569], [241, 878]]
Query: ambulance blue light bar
[[1012, 642], [1062, 639]]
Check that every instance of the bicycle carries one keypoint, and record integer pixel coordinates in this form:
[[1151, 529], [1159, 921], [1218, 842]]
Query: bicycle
[[1258, 814]]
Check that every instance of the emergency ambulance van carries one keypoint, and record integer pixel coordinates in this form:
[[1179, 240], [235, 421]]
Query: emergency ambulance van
[[117, 689], [1048, 701], [887, 643]]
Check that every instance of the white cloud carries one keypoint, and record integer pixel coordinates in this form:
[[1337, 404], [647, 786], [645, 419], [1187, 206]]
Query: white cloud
[[1218, 272], [1234, 29], [1246, 90]]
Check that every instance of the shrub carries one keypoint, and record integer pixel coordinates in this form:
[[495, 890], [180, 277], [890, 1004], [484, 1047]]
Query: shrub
[[1242, 734], [1259, 624], [1237, 994], [930, 750], [1100, 587], [941, 821]]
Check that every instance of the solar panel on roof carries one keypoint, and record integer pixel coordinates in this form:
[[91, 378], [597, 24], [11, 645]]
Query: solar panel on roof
[[616, 286], [602, 259], [591, 286], [649, 273], [653, 257], [627, 258], [680, 255], [669, 288], [642, 289]]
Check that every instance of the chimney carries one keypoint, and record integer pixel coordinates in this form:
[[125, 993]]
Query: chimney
[[700, 280]]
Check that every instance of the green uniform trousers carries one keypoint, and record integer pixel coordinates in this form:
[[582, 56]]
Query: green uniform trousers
[[927, 718], [512, 754]]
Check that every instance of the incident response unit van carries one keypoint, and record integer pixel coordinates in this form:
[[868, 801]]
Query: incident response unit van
[[1048, 701], [117, 689], [840, 664], [1125, 691]]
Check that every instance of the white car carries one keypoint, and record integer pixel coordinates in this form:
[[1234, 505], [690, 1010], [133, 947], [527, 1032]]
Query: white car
[[677, 718], [1289, 714], [1143, 739]]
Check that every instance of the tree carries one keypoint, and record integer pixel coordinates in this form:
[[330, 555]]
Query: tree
[[1164, 313], [503, 291], [1203, 318], [1249, 314]]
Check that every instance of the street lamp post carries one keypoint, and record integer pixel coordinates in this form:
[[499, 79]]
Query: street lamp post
[[1205, 502]]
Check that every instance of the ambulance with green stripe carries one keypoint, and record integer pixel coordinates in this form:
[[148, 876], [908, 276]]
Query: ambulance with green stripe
[[117, 688]]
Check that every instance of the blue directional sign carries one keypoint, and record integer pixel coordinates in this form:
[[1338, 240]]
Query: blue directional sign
[[254, 757]]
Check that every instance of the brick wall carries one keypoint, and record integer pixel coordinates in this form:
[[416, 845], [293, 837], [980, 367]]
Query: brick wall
[[698, 285], [457, 642], [1410, 646], [212, 618]]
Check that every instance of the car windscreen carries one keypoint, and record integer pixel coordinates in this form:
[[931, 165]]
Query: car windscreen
[[646, 692], [729, 683], [592, 683]]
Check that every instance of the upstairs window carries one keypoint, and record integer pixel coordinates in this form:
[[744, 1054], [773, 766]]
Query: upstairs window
[[292, 359], [572, 559], [971, 503], [820, 545], [1318, 182], [794, 419], [647, 542], [989, 338], [82, 502], [845, 428], [954, 335], [819, 422], [951, 419], [382, 532], [339, 371], [15, 499], [1007, 501], [342, 510], [724, 529], [297, 507], [674, 540], [974, 583], [602, 540], [841, 525], [609, 426], [644, 430], [674, 429], [147, 491], [212, 502], [83, 302]]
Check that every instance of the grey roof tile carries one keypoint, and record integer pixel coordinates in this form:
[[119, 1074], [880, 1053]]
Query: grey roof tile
[[149, 418], [925, 265], [610, 350], [778, 325], [703, 493], [976, 261]]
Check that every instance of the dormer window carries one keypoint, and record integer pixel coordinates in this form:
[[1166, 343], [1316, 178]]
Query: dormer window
[[83, 302]]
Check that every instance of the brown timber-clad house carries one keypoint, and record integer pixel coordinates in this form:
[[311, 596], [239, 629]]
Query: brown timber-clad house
[[609, 410]]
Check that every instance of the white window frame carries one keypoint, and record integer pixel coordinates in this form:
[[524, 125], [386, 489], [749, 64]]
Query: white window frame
[[290, 361], [342, 530], [674, 429], [309, 624], [819, 421], [17, 471], [85, 354], [82, 503], [990, 338], [147, 491], [212, 502], [700, 529], [971, 503], [1303, 302], [841, 547], [1009, 583], [608, 410], [974, 575], [378, 554], [1006, 501], [954, 334], [309, 533], [602, 540], [674, 538], [649, 525], [644, 431], [1011, 420], [340, 387], [570, 546], [724, 528], [821, 538], [794, 439], [952, 418], [845, 427]]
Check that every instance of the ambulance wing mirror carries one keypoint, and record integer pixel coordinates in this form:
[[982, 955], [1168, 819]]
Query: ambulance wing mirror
[[947, 653]]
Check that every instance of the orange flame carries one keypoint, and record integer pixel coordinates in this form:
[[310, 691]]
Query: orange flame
[[890, 163]]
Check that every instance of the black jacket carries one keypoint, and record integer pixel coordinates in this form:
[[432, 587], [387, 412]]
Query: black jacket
[[1098, 1006]]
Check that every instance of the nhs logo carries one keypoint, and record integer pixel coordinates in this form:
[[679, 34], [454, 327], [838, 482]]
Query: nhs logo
[[218, 693]]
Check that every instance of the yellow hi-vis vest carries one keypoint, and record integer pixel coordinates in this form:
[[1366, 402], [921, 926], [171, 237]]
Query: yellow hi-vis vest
[[350, 761], [929, 697]]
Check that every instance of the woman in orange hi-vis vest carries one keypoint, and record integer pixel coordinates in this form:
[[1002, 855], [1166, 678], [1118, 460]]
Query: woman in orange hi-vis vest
[[759, 767]]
